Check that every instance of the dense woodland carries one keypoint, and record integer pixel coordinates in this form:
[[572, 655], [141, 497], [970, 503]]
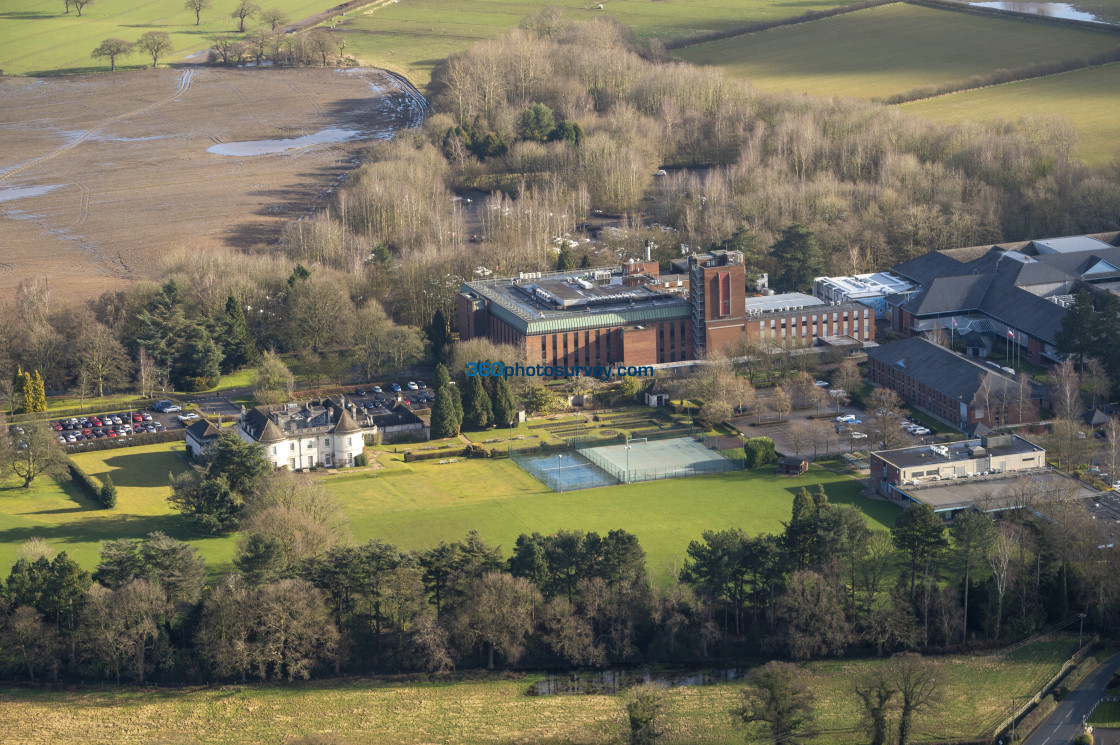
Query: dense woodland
[[305, 599]]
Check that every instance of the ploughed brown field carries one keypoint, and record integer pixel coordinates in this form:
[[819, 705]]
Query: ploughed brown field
[[100, 175]]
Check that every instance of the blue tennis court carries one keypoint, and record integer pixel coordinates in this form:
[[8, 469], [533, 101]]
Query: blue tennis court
[[568, 470]]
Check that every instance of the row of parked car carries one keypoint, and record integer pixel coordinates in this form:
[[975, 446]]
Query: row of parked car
[[78, 429]]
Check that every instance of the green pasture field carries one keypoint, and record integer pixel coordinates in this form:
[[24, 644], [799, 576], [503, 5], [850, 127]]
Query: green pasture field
[[1087, 98], [892, 49], [411, 36], [38, 37], [415, 505], [489, 710]]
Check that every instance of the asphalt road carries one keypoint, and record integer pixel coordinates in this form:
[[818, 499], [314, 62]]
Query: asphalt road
[[1061, 727]]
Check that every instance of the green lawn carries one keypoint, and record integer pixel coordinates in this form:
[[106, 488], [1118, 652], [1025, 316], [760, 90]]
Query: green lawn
[[413, 35], [1107, 714], [1086, 97], [36, 36], [892, 49], [489, 710], [70, 522], [418, 504]]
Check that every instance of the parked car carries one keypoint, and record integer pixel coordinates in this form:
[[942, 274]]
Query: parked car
[[377, 389], [843, 418], [188, 417], [161, 405], [360, 392], [396, 387], [859, 436], [412, 386], [921, 431], [821, 384]]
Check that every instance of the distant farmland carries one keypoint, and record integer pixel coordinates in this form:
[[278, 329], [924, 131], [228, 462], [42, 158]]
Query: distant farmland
[[891, 49], [411, 36], [36, 36], [1088, 98]]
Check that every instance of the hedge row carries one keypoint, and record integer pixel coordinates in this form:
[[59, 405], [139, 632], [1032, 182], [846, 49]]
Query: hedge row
[[104, 494], [812, 15], [112, 443]]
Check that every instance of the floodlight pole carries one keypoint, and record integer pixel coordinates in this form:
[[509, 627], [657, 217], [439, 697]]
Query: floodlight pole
[[628, 463], [511, 438], [560, 472]]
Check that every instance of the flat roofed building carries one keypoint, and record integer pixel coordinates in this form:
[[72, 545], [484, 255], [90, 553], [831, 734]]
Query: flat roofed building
[[631, 315], [992, 455], [871, 290]]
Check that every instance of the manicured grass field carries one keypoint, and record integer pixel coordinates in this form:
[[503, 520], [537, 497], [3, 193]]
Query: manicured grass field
[[978, 691], [36, 36], [411, 36], [1085, 97], [416, 505], [892, 49], [72, 523]]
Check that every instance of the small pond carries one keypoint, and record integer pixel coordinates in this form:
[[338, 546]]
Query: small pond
[[1052, 10], [268, 147]]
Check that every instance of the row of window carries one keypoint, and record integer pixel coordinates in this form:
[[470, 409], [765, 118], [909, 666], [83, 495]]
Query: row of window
[[310, 445]]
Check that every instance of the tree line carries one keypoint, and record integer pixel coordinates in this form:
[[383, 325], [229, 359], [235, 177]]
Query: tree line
[[207, 318], [304, 599]]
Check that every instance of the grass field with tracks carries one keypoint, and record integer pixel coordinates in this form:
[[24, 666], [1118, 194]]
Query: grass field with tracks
[[1087, 98], [416, 505], [891, 49], [37, 36], [411, 36], [978, 693]]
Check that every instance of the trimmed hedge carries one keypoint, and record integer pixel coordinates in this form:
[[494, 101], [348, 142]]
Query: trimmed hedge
[[104, 494]]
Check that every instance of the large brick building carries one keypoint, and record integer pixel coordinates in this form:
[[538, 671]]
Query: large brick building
[[952, 387], [634, 315]]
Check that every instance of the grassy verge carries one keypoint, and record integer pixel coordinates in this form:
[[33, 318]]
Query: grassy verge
[[1107, 714]]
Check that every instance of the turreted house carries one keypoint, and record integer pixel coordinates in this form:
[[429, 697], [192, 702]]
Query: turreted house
[[323, 433]]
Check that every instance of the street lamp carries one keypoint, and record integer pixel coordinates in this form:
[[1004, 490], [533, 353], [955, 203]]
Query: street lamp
[[511, 437]]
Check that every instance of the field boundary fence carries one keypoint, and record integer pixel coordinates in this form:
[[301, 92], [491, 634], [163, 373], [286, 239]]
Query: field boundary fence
[[1068, 665]]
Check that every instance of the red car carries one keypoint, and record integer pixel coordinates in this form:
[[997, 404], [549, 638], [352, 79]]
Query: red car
[[137, 418], [112, 433]]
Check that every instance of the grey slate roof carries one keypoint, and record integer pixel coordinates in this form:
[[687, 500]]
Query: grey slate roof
[[203, 430], [924, 269], [952, 374]]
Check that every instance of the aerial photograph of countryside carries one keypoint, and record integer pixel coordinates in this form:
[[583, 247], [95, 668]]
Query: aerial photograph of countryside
[[560, 372]]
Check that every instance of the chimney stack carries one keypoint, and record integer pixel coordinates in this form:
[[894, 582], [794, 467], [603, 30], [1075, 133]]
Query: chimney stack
[[648, 250]]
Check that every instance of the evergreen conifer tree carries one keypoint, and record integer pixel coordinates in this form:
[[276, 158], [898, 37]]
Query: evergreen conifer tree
[[444, 422], [457, 402], [477, 409]]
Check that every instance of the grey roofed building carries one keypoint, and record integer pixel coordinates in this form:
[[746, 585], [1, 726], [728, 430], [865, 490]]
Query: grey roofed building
[[200, 436], [1022, 288], [932, 364]]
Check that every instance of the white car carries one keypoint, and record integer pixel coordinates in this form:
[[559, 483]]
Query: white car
[[1116, 485], [921, 431], [846, 418], [412, 386], [188, 417], [821, 384], [859, 436]]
